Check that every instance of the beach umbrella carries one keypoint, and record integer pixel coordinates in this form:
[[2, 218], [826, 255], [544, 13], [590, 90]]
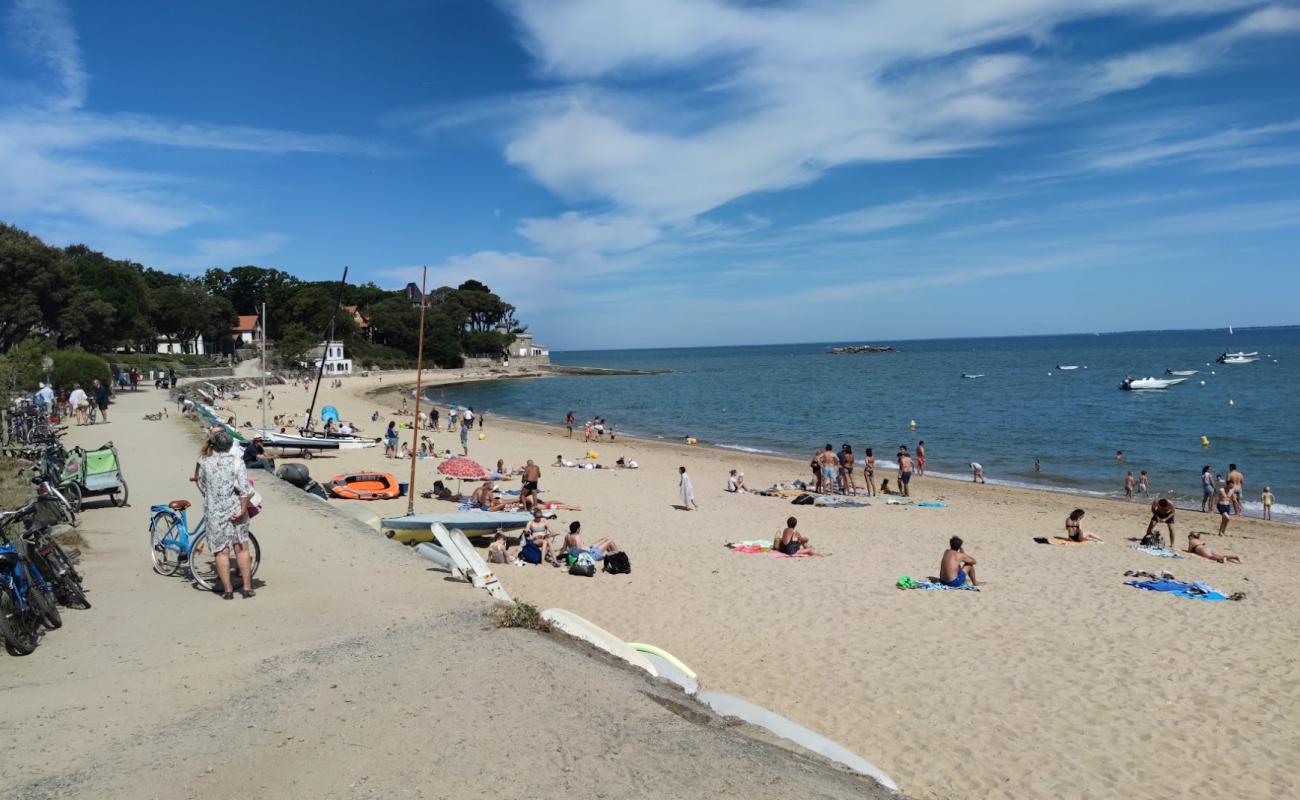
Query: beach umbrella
[[462, 468]]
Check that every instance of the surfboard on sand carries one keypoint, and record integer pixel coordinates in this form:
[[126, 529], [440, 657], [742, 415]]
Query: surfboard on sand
[[437, 555], [668, 666], [731, 706], [579, 628], [469, 563]]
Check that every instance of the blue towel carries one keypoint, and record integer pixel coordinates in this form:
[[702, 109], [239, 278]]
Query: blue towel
[[929, 504], [935, 585], [1192, 591]]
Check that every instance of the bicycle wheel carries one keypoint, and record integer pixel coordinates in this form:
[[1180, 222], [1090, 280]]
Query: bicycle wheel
[[73, 492], [203, 563], [42, 599], [68, 587], [19, 634], [164, 548], [118, 496]]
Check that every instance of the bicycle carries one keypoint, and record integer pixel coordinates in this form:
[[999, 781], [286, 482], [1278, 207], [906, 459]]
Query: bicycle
[[49, 558], [173, 545], [26, 601]]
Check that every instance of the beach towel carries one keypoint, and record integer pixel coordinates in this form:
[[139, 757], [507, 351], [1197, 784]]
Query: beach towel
[[1192, 591], [1060, 540], [935, 585], [838, 502], [751, 546], [930, 504], [899, 501], [1158, 552]]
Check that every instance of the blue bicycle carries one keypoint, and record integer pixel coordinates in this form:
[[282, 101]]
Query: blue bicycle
[[172, 545], [26, 600]]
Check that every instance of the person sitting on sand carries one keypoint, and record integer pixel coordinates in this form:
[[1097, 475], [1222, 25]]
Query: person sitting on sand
[[484, 495], [1198, 547], [956, 566], [1074, 528], [792, 542], [573, 543], [1163, 511], [736, 482], [535, 541], [497, 553], [561, 461], [441, 492]]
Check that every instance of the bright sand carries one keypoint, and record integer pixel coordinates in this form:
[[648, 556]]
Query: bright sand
[[1057, 680]]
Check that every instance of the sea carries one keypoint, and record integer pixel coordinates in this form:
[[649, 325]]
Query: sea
[[792, 399]]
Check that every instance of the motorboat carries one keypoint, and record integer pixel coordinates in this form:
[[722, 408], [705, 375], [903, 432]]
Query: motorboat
[[1241, 355], [972, 375], [1182, 373], [1149, 383], [1237, 359], [1067, 366]]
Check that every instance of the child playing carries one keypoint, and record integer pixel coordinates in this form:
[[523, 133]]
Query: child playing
[[1266, 499]]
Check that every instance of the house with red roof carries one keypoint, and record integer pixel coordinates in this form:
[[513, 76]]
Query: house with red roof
[[247, 331]]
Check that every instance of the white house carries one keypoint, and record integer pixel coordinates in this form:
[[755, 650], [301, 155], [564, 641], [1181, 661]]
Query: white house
[[335, 362], [248, 330], [173, 346], [523, 347]]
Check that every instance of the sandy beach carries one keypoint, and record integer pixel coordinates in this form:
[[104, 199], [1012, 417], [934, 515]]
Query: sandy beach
[[1056, 680], [355, 672]]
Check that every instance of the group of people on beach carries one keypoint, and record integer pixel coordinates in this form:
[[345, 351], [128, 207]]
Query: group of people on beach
[[594, 430]]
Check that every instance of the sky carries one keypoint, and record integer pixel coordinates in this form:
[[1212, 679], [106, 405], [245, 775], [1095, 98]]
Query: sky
[[685, 172]]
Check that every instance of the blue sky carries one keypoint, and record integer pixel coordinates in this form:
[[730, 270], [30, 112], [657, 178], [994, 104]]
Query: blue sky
[[684, 172]]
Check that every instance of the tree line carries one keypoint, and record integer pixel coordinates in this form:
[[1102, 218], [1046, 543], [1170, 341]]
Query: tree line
[[75, 298]]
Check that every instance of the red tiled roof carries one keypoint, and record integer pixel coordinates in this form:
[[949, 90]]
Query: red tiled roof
[[246, 323]]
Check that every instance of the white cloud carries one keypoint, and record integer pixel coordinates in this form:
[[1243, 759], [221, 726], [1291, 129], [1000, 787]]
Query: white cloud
[[43, 29]]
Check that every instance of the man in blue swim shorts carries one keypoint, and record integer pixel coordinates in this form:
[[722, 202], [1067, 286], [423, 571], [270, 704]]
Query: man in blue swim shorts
[[956, 566]]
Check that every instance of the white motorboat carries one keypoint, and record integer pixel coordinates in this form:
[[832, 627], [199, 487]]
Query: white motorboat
[[1183, 373], [1150, 383], [1238, 360], [1241, 355], [1067, 366]]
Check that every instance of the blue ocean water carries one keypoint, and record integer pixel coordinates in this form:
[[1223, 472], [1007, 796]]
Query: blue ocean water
[[793, 399]]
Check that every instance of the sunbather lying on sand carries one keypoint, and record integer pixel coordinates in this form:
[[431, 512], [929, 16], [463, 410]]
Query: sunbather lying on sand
[[1197, 546], [956, 566], [573, 543], [1074, 528], [561, 461]]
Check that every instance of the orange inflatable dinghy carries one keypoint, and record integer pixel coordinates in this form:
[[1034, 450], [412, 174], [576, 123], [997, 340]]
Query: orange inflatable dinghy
[[365, 486]]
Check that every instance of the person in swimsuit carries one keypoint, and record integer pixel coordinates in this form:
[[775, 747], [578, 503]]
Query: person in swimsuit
[[869, 472], [1266, 500], [484, 495], [535, 541], [573, 543], [1236, 484], [816, 465], [528, 492], [1197, 547], [830, 466], [497, 553], [920, 459], [1223, 504], [1074, 528], [1207, 488], [847, 484], [904, 471], [976, 472], [792, 541], [568, 423], [1162, 511], [1142, 484], [955, 566], [1128, 486]]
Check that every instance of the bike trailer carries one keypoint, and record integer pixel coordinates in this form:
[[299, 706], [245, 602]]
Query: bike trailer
[[102, 471]]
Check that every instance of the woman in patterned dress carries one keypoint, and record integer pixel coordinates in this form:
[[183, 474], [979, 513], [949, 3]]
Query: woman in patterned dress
[[223, 482]]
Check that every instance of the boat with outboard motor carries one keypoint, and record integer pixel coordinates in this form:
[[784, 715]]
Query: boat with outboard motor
[[1182, 373], [1129, 384], [1237, 358]]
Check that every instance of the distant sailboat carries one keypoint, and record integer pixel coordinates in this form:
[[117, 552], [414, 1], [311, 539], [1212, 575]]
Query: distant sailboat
[[1229, 330]]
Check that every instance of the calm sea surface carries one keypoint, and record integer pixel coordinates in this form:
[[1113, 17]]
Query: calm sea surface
[[792, 399]]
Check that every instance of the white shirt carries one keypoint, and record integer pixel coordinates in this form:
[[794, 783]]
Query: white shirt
[[77, 397], [469, 415]]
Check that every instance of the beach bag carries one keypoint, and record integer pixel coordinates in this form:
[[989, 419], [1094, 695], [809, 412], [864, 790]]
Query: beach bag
[[530, 552], [584, 565], [1152, 539], [803, 500], [617, 563]]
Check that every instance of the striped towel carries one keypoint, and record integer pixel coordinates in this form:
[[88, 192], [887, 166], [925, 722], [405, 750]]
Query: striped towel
[[1158, 552], [935, 586]]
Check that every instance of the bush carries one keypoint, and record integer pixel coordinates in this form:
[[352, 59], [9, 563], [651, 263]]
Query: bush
[[72, 367], [520, 615]]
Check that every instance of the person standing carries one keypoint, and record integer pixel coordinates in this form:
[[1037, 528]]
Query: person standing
[[920, 459], [223, 481], [1142, 484], [1266, 500], [869, 472], [1236, 485], [531, 476], [568, 423], [1128, 486], [848, 484], [686, 498], [433, 419], [1207, 488], [464, 436], [171, 377], [101, 399], [905, 467], [45, 399], [390, 440]]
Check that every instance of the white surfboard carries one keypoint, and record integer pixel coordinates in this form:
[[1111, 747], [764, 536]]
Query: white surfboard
[[668, 666], [731, 706], [469, 562], [570, 623]]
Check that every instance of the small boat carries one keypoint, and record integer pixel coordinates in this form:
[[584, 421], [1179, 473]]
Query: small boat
[[464, 520], [1067, 366], [1149, 383], [365, 486], [312, 440], [1237, 360], [1182, 373], [1242, 355], [972, 375]]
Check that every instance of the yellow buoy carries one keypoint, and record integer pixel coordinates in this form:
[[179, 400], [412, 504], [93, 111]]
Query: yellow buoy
[[1205, 441], [593, 454]]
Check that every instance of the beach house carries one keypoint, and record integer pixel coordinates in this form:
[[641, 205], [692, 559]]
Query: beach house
[[524, 349], [172, 346], [332, 352], [247, 331]]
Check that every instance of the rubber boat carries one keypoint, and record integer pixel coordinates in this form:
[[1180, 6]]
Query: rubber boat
[[415, 528], [1066, 366], [1183, 373], [365, 486], [1150, 383], [972, 375]]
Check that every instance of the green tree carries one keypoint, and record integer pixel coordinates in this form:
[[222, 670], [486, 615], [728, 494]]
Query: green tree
[[293, 343], [37, 286], [116, 298]]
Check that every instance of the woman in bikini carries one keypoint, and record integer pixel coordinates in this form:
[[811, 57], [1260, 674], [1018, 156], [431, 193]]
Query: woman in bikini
[[847, 484], [1200, 548], [869, 473], [1074, 528], [1222, 504], [535, 541]]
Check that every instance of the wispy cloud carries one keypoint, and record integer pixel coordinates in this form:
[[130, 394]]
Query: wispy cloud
[[43, 30]]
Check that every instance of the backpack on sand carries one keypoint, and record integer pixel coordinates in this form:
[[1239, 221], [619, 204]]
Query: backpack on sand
[[618, 563], [585, 566]]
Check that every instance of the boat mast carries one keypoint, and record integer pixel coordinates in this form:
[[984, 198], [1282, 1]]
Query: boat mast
[[419, 387], [329, 335], [263, 366]]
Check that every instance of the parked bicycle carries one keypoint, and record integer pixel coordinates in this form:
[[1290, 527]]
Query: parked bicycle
[[26, 598], [173, 546]]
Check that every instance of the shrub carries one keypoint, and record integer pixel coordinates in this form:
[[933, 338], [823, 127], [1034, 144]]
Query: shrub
[[72, 367], [520, 615]]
